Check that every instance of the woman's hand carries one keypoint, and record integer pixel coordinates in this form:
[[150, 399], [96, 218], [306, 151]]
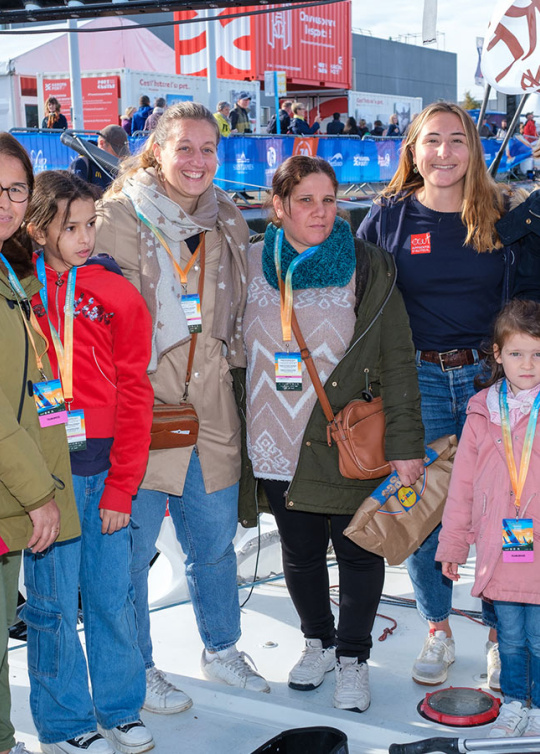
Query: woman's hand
[[46, 523], [408, 471], [112, 521], [450, 570]]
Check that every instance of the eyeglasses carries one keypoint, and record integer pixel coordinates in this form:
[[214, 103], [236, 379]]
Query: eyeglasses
[[18, 193]]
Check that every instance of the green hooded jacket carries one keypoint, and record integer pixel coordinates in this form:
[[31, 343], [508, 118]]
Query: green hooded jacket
[[381, 354], [34, 462]]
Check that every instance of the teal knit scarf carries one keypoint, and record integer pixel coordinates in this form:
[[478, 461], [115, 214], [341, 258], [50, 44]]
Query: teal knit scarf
[[333, 263]]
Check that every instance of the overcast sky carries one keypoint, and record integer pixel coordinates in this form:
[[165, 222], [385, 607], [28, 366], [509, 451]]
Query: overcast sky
[[461, 21]]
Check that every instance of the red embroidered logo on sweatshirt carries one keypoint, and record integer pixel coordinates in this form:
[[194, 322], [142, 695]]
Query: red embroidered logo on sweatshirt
[[421, 243]]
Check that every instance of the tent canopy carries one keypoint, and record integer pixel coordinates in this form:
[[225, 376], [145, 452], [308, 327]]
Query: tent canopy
[[137, 49]]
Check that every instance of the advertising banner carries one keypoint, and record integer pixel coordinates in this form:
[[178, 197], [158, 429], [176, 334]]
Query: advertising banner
[[312, 46], [251, 161], [100, 101], [61, 89]]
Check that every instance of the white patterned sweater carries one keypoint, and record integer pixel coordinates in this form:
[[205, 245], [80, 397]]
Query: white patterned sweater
[[276, 420]]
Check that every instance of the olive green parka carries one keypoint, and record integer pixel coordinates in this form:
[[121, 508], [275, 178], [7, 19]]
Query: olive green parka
[[381, 355], [34, 462]]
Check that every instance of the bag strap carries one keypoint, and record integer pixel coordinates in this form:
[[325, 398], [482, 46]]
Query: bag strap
[[193, 343], [307, 359]]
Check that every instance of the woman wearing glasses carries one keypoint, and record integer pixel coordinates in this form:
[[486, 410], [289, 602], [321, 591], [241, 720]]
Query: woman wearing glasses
[[299, 125]]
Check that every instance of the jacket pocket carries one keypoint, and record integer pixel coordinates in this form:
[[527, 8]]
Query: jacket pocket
[[43, 641], [100, 368]]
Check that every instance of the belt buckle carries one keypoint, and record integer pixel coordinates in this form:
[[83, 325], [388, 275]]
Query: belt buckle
[[441, 361]]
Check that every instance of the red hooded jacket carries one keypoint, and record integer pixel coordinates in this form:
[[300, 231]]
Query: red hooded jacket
[[112, 333]]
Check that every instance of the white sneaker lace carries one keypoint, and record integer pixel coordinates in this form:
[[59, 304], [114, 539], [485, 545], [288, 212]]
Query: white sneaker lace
[[508, 719], [157, 683], [86, 737], [349, 677], [434, 649], [311, 657], [239, 666]]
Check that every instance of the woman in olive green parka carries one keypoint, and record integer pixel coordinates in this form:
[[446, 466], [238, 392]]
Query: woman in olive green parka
[[37, 506]]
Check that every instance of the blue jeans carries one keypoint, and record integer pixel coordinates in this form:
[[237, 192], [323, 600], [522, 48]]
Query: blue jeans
[[519, 647], [445, 396], [205, 526], [60, 700]]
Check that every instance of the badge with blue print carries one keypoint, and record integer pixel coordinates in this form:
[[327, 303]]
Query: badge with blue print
[[191, 304], [76, 431], [517, 540], [50, 403], [288, 371]]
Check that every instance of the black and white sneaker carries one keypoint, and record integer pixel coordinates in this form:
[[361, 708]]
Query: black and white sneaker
[[88, 743], [131, 738]]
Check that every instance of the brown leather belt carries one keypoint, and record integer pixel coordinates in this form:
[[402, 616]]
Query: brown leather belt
[[449, 360]]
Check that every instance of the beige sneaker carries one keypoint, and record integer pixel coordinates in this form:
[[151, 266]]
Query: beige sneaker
[[438, 653], [512, 721]]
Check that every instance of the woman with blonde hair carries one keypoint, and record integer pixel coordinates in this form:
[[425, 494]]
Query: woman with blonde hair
[[168, 226], [437, 217]]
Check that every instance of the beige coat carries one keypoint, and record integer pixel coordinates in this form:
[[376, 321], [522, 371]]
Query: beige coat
[[211, 385]]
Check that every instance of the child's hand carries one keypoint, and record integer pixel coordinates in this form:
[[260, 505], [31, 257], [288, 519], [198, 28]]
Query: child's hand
[[112, 521], [450, 570]]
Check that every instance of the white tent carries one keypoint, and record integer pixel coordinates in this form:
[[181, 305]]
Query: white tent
[[27, 55]]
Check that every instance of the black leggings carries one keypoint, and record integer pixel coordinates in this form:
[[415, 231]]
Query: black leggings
[[304, 543]]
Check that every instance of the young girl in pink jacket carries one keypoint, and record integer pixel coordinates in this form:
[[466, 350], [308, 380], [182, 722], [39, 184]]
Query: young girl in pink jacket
[[494, 503]]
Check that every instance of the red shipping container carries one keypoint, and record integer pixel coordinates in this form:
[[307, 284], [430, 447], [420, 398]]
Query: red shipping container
[[312, 45]]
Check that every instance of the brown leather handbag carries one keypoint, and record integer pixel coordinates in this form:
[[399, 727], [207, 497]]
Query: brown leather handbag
[[176, 425], [357, 430]]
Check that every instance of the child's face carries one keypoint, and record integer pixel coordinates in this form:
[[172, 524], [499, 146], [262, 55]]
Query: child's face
[[69, 244], [520, 359]]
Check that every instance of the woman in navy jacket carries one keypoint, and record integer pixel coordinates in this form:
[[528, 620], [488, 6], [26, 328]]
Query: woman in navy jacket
[[298, 124]]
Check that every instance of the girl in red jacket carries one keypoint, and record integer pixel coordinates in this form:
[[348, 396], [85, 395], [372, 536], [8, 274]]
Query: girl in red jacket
[[99, 332], [493, 502]]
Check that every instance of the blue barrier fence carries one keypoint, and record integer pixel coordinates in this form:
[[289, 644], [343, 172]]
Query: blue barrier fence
[[250, 161]]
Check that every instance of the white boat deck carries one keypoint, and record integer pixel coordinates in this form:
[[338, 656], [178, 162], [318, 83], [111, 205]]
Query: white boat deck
[[229, 721]]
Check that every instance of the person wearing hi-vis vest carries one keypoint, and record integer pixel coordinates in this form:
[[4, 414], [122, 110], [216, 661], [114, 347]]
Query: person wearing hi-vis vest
[[100, 332], [37, 507], [239, 117]]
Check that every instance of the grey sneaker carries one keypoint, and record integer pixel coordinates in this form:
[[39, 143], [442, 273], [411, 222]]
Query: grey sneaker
[[533, 723], [352, 685], [131, 738], [234, 670], [512, 721], [315, 662], [438, 653], [162, 697], [493, 666]]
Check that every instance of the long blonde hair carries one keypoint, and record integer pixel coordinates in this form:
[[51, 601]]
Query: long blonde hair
[[483, 198], [146, 158]]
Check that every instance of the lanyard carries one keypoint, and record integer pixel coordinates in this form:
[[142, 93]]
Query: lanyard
[[182, 273], [518, 482], [64, 352], [286, 297], [24, 304]]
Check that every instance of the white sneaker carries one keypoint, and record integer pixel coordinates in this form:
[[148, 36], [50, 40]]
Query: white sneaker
[[493, 666], [130, 738], [19, 748], [352, 685], [438, 653], [88, 743], [512, 721], [315, 662], [162, 697], [533, 723], [230, 666]]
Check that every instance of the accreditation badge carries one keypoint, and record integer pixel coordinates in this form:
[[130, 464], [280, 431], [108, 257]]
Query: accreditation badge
[[50, 403], [191, 304], [288, 371], [76, 431], [517, 540]]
